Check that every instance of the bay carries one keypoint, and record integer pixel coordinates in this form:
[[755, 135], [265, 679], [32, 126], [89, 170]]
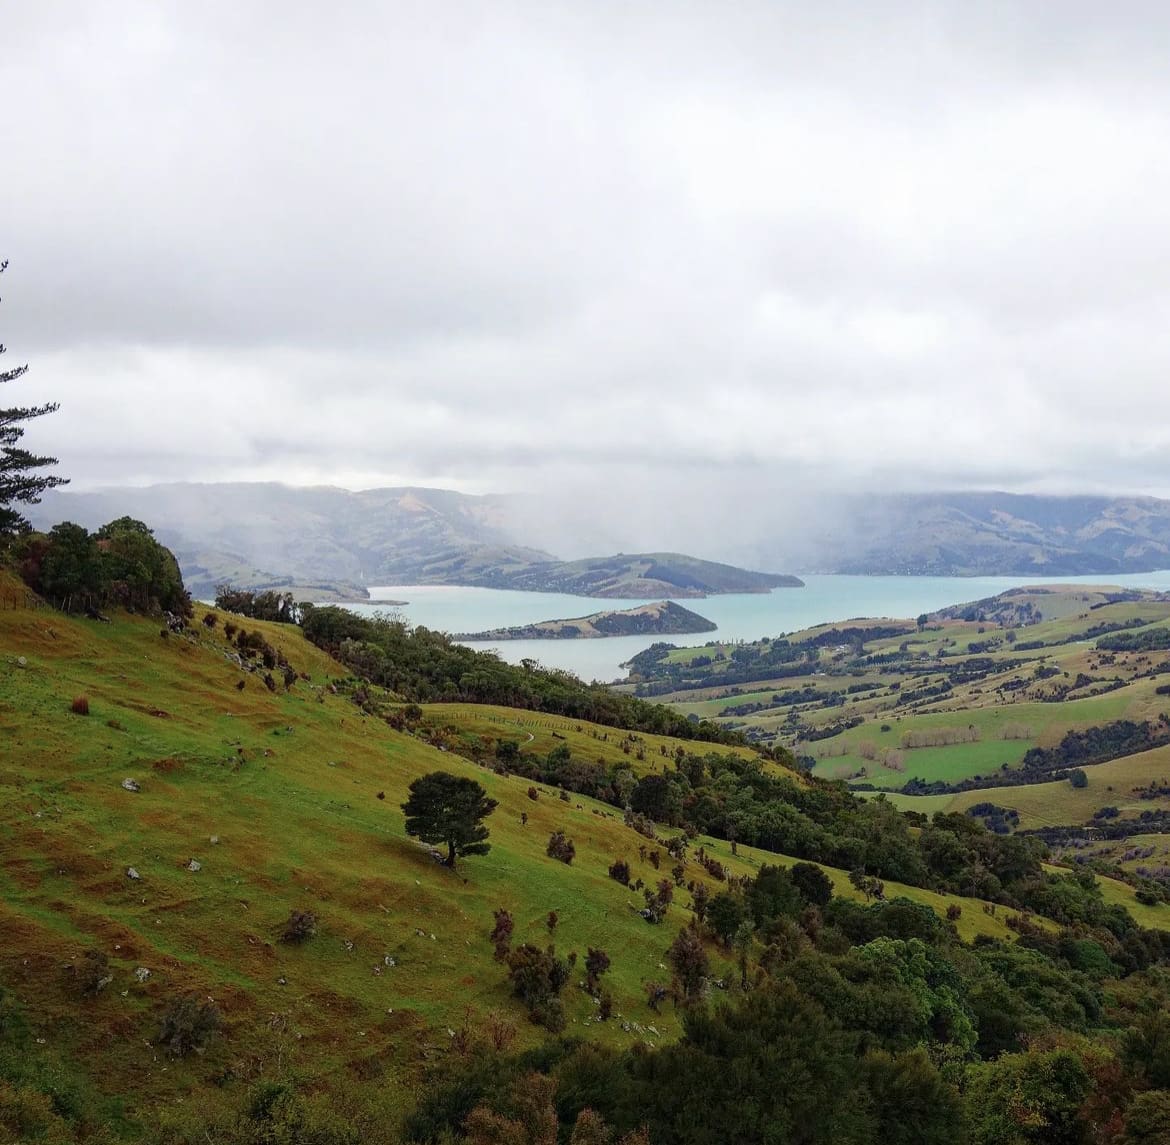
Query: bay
[[738, 617]]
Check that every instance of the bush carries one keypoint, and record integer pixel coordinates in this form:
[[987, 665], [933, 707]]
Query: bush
[[954, 912], [80, 706], [537, 977], [619, 870], [596, 964], [301, 925], [561, 847], [501, 935], [91, 973], [188, 1024]]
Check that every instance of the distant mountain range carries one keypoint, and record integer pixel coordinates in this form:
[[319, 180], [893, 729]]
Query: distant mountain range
[[994, 534], [337, 542]]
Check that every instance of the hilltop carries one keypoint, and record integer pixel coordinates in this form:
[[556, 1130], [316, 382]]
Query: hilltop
[[329, 543], [992, 534], [662, 618]]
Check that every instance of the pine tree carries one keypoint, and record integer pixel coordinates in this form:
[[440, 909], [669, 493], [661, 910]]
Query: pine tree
[[19, 483], [445, 808]]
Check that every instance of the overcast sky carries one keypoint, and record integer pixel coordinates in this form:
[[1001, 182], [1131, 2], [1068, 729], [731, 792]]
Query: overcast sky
[[652, 247]]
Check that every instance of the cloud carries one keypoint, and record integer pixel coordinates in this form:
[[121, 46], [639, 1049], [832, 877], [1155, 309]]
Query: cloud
[[708, 254]]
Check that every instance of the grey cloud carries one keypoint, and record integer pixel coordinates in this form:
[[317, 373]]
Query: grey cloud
[[711, 254]]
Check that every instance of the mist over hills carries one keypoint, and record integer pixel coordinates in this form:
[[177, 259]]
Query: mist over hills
[[268, 533], [990, 534], [271, 534]]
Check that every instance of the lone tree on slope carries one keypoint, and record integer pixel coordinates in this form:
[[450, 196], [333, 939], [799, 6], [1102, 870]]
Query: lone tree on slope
[[19, 484], [445, 808]]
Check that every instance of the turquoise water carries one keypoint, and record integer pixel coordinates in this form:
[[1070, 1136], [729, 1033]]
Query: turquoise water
[[741, 617]]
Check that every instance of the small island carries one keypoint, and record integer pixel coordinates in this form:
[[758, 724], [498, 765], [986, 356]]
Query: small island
[[662, 618]]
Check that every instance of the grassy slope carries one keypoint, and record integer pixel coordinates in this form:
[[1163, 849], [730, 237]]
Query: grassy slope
[[1057, 803], [288, 784]]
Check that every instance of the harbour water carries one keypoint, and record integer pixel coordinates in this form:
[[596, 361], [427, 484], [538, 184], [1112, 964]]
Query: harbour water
[[739, 617]]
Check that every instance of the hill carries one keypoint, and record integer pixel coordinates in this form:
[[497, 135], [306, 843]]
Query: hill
[[248, 801], [660, 619], [994, 534], [266, 535], [253, 803]]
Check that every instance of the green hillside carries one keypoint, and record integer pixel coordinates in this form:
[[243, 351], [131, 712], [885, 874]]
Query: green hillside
[[276, 797]]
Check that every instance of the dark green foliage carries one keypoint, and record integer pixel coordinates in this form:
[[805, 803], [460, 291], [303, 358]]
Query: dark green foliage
[[501, 935], [275, 606], [20, 483], [188, 1023], [1029, 1097], [90, 973], [725, 915], [773, 894], [120, 565], [300, 927], [449, 809], [596, 964], [561, 847], [537, 978], [619, 870], [428, 666], [1097, 744], [689, 962], [812, 884]]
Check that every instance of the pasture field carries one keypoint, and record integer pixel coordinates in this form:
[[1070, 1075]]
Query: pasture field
[[878, 712], [1058, 803], [253, 803]]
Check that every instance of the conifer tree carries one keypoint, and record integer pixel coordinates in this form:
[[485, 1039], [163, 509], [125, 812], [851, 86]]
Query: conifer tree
[[19, 481]]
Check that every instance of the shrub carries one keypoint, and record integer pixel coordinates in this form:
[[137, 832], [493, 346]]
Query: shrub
[[209, 620], [561, 847], [596, 964], [689, 961], [188, 1024], [954, 912], [80, 706], [619, 870], [533, 794], [91, 973], [301, 925], [501, 935], [537, 978]]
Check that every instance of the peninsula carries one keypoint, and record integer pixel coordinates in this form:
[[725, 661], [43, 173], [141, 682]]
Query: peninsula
[[662, 618]]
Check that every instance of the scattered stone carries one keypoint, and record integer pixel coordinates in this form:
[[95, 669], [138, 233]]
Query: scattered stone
[[214, 840], [131, 785], [282, 981], [347, 944], [390, 960], [194, 865], [131, 873], [142, 974], [21, 662]]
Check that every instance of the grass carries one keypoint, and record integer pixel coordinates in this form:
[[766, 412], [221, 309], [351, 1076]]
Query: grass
[[1058, 803], [288, 785]]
